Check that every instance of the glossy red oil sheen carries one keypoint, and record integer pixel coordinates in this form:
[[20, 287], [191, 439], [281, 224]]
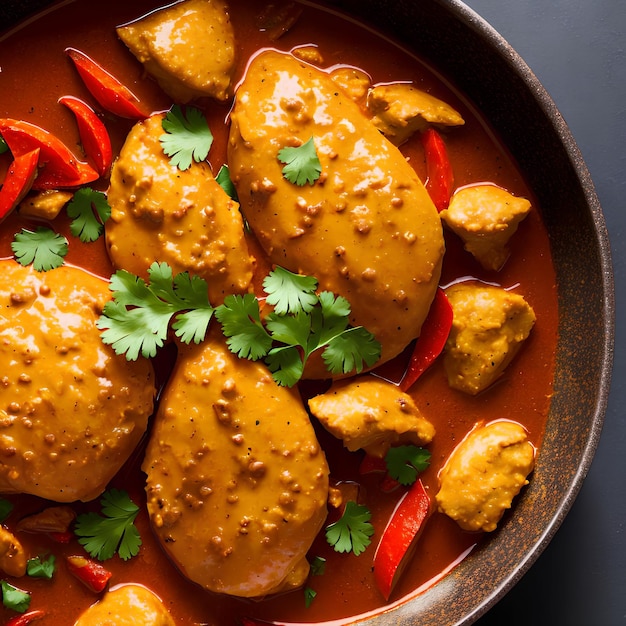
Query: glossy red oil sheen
[[36, 73]]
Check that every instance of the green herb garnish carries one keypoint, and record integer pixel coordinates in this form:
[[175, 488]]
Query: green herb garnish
[[352, 531], [187, 136], [42, 247], [404, 463], [41, 568], [302, 164], [89, 210], [224, 181], [14, 598], [113, 531]]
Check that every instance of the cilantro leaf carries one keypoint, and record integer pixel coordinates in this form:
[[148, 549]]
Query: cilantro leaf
[[404, 463], [4, 146], [224, 181], [352, 531], [286, 365], [350, 350], [318, 566], [5, 509], [302, 164], [114, 531], [187, 136], [241, 324], [309, 596], [14, 598], [41, 568], [89, 210], [42, 247], [136, 321], [288, 292]]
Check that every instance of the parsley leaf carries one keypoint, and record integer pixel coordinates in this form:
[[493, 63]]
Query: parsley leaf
[[41, 568], [302, 164], [5, 509], [224, 181], [352, 531], [14, 598], [187, 136], [42, 247], [137, 319], [89, 209], [404, 463], [114, 531]]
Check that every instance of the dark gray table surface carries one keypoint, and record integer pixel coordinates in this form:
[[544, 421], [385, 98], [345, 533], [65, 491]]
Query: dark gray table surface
[[577, 49]]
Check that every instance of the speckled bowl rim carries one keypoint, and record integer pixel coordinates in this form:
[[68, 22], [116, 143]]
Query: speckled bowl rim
[[494, 76]]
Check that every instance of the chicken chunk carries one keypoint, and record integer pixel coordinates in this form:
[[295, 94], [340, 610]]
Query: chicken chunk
[[354, 81], [484, 473], [485, 217], [237, 483], [366, 229], [398, 110], [71, 410], [490, 325], [44, 205], [371, 414], [160, 213], [127, 605], [12, 555], [188, 47]]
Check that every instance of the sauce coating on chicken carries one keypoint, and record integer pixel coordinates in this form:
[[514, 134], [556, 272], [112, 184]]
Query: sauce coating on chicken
[[237, 482], [71, 411]]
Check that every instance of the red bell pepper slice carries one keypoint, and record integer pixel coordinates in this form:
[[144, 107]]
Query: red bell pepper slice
[[400, 537], [440, 177], [432, 339], [18, 181], [110, 93], [93, 133], [25, 618], [91, 573], [59, 166]]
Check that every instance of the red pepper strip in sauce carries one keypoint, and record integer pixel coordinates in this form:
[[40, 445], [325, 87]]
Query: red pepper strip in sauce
[[59, 167], [400, 537], [440, 178], [18, 181], [92, 574], [432, 339], [372, 465], [93, 133], [110, 93], [25, 618], [61, 537]]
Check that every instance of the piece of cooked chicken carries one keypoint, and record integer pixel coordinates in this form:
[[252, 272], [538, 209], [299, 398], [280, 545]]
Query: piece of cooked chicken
[[485, 217], [484, 473], [371, 414], [188, 47], [366, 228], [184, 218], [398, 110], [237, 483], [12, 555], [490, 325], [127, 605], [71, 410]]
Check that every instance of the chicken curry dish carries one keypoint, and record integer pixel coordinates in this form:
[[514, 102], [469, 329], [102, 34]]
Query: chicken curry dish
[[278, 318]]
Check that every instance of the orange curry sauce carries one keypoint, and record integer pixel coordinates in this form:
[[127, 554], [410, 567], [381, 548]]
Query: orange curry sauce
[[35, 72]]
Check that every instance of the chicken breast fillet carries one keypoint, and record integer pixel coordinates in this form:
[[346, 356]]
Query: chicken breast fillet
[[237, 483], [366, 228], [71, 410]]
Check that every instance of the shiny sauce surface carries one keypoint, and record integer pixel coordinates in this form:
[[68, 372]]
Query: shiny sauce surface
[[36, 72]]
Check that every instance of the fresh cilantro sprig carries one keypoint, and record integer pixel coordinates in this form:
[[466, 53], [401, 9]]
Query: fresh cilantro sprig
[[14, 598], [89, 210], [42, 247], [187, 136], [37, 567], [302, 164], [302, 323], [113, 531], [6, 507], [225, 182], [4, 146], [136, 321], [404, 463], [352, 531]]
